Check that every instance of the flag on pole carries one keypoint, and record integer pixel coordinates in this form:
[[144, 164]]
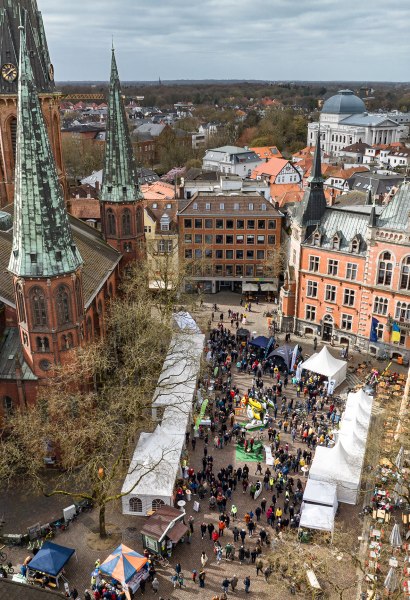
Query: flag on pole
[[395, 333], [373, 329]]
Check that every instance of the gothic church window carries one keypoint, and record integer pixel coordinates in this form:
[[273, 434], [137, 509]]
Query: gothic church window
[[111, 225], [21, 305], [38, 307], [126, 222], [63, 306]]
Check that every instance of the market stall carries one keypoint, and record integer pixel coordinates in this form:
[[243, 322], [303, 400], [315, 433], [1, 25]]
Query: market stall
[[324, 363], [314, 516], [126, 567], [49, 561], [163, 530], [320, 493]]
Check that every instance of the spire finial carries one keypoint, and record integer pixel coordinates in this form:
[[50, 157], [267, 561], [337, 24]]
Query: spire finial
[[112, 44]]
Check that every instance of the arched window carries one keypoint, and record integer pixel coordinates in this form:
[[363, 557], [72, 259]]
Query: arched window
[[156, 504], [135, 505], [402, 311], [68, 341], [79, 298], [126, 222], [316, 239], [38, 307], [43, 344], [355, 246], [385, 270], [336, 242], [7, 406], [111, 226], [21, 305], [140, 221], [89, 329], [63, 306], [405, 274]]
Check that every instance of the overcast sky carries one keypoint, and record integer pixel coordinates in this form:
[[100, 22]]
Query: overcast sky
[[230, 39]]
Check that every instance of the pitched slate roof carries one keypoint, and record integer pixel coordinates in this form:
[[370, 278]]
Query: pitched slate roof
[[42, 240], [347, 222], [100, 260], [36, 43], [396, 215], [11, 356], [229, 202], [120, 181]]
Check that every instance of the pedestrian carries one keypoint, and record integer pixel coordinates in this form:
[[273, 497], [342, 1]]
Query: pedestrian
[[242, 533], [178, 568], [201, 578], [235, 532], [263, 505], [142, 586], [191, 523], [234, 582], [225, 585], [267, 572], [247, 584], [204, 559], [254, 554], [259, 566], [181, 581], [87, 595], [74, 594], [203, 529], [211, 528], [241, 554], [194, 575], [155, 585]]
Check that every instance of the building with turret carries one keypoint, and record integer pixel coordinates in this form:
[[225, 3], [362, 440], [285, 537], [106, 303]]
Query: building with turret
[[348, 278], [11, 14], [57, 274]]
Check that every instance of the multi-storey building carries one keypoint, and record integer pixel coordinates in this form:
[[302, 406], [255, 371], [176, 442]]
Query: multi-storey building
[[231, 159], [161, 235], [231, 239], [348, 278], [43, 73]]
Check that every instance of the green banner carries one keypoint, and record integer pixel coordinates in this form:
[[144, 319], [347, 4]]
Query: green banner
[[201, 414]]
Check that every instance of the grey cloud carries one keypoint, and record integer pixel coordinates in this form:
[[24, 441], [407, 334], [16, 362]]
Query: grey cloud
[[249, 39]]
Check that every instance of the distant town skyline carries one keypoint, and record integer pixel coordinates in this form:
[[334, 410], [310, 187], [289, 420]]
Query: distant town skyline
[[318, 40]]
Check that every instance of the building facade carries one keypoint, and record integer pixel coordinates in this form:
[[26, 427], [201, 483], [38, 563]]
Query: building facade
[[344, 121], [231, 160], [230, 240], [43, 73], [348, 280]]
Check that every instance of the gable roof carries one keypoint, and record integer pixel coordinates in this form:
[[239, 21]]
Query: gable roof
[[267, 152], [358, 147], [272, 167]]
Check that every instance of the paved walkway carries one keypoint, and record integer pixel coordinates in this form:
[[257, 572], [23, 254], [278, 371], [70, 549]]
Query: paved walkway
[[21, 511]]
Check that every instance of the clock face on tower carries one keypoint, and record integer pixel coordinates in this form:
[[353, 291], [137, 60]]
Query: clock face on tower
[[9, 72]]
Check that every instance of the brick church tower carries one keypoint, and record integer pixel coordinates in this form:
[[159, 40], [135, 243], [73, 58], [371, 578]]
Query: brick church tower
[[45, 262], [12, 12], [122, 212]]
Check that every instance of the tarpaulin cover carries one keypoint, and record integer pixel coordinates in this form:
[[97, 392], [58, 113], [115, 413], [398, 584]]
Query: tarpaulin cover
[[51, 559], [123, 564]]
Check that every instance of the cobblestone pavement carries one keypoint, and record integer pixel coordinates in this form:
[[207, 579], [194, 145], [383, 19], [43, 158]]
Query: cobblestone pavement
[[20, 510]]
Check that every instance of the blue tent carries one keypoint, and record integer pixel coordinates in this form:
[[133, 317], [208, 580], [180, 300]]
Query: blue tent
[[51, 559], [260, 342]]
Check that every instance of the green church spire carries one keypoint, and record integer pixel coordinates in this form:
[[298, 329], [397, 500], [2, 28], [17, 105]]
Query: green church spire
[[120, 181], [43, 245]]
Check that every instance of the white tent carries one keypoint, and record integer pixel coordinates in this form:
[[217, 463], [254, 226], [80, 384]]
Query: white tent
[[314, 516], [324, 363], [156, 462], [337, 465], [320, 492], [249, 287]]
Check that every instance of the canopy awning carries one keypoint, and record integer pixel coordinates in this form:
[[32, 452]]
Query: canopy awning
[[269, 287], [317, 517], [51, 559], [249, 287], [177, 532], [260, 342], [123, 564]]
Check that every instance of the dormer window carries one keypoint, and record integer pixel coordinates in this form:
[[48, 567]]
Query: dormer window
[[336, 242], [250, 206], [207, 206], [236, 206], [195, 206], [355, 246], [222, 206], [165, 221], [168, 206], [317, 238]]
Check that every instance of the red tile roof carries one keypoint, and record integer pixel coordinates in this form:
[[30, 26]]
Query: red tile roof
[[272, 168]]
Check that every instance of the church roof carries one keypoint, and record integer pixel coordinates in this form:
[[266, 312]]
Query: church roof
[[345, 102], [43, 244], [396, 214], [36, 44], [100, 260], [120, 181]]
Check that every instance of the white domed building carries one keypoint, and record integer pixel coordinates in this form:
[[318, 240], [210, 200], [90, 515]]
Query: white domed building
[[344, 121]]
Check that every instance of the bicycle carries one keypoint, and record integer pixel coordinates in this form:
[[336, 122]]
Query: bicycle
[[161, 561], [7, 568]]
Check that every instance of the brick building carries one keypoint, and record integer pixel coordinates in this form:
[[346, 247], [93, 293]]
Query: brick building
[[232, 240], [348, 278], [57, 274], [43, 72]]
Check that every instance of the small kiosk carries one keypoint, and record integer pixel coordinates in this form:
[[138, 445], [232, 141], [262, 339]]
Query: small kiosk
[[163, 530]]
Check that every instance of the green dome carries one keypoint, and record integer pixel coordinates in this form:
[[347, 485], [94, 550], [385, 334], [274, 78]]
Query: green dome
[[345, 102]]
